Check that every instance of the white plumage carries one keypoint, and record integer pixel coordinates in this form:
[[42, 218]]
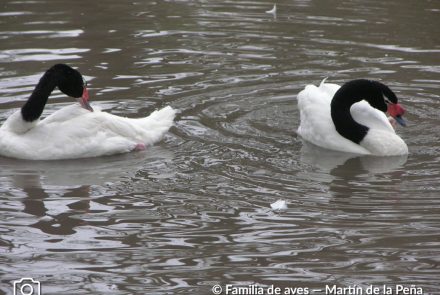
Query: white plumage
[[317, 126], [74, 132]]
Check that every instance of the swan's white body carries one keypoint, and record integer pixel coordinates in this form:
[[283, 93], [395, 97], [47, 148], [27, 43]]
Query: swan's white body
[[73, 132], [317, 126]]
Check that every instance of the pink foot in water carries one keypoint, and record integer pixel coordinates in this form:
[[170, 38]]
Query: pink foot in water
[[140, 147]]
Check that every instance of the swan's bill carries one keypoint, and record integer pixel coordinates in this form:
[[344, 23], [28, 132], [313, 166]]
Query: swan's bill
[[396, 111], [400, 120], [84, 100]]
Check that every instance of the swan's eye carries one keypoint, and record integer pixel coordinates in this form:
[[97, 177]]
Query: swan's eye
[[387, 101]]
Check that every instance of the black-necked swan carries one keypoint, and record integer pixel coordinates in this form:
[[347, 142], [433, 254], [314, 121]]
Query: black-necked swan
[[75, 131], [351, 118]]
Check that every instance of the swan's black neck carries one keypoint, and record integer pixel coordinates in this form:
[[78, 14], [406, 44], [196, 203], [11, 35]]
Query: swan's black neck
[[350, 93], [34, 107], [68, 80]]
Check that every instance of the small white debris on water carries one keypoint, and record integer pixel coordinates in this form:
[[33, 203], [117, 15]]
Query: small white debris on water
[[273, 10], [279, 205]]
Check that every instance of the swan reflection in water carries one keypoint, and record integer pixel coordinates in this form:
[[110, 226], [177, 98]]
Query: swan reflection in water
[[334, 161], [72, 185], [354, 179]]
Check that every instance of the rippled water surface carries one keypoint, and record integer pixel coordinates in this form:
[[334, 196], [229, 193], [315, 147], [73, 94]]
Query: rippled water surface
[[194, 210]]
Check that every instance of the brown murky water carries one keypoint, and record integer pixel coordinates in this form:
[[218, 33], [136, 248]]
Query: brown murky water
[[194, 210]]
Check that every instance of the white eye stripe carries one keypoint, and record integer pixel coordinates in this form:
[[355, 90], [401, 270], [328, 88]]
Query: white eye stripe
[[386, 99]]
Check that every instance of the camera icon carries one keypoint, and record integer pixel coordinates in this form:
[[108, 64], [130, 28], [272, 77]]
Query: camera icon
[[27, 286]]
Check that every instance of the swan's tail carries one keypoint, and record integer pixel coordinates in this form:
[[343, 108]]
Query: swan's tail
[[323, 81], [163, 116], [157, 124]]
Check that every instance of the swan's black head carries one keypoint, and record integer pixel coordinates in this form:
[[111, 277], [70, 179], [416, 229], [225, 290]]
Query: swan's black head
[[68, 80], [388, 95], [381, 96], [389, 98], [375, 97], [71, 83]]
